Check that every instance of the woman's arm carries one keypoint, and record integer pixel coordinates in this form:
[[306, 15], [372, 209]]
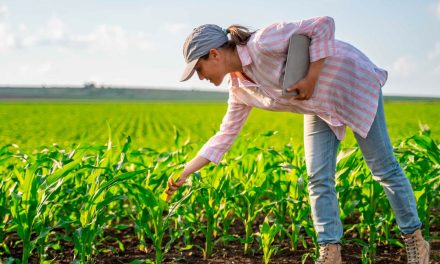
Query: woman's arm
[[274, 40], [217, 145], [306, 86], [232, 123]]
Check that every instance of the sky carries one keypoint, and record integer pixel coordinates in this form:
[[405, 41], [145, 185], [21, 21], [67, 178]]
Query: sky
[[135, 43]]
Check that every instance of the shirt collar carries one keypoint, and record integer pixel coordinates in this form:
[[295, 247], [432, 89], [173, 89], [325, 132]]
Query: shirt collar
[[244, 56], [235, 80]]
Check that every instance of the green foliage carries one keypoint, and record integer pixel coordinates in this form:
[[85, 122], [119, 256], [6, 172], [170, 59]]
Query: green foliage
[[267, 238], [80, 188], [151, 124]]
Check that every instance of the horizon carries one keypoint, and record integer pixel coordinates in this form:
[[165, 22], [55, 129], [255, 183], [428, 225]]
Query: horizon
[[187, 89]]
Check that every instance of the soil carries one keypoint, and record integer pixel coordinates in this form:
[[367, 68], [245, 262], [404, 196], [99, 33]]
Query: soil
[[233, 252]]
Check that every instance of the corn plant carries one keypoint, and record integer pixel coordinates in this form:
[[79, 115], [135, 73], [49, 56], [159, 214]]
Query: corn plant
[[154, 216], [55, 195], [298, 208], [101, 176], [277, 184], [267, 238], [33, 195], [7, 186], [371, 190], [210, 198], [420, 156], [250, 200]]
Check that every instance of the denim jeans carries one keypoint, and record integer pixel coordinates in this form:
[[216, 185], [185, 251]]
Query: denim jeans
[[321, 147]]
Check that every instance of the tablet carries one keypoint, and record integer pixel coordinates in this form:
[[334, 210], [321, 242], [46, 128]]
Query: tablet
[[297, 62]]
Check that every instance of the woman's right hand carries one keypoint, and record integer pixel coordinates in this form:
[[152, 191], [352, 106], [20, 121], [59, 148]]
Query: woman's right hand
[[174, 185], [192, 166]]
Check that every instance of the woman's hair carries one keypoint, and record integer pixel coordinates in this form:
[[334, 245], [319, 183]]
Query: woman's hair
[[239, 35]]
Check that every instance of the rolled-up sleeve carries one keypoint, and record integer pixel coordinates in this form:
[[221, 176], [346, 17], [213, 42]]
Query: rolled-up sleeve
[[321, 30], [232, 123]]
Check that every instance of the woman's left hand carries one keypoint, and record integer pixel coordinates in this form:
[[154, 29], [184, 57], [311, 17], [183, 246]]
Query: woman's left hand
[[304, 88]]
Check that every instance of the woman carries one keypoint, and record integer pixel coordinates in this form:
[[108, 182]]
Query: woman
[[342, 88]]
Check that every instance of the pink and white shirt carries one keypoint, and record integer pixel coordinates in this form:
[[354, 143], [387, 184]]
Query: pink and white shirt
[[346, 94]]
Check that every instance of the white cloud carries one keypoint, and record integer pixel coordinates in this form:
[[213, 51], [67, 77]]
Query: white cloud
[[55, 30], [437, 10], [3, 13], [24, 68], [112, 38], [52, 34], [103, 37], [436, 71], [34, 68], [44, 68], [55, 33], [404, 66], [7, 38], [435, 53], [177, 28]]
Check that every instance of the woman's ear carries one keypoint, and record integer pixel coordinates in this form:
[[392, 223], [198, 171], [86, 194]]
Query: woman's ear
[[214, 53]]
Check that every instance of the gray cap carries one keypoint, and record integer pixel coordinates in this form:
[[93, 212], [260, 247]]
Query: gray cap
[[198, 44]]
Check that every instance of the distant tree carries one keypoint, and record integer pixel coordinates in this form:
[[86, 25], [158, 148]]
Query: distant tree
[[89, 85]]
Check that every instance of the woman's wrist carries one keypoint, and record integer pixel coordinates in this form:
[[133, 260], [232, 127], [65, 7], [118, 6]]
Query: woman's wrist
[[194, 165], [185, 173], [314, 70]]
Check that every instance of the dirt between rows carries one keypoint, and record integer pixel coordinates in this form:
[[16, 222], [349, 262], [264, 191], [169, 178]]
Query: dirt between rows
[[232, 253]]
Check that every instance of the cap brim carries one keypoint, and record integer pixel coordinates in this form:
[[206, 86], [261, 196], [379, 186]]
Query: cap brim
[[189, 71]]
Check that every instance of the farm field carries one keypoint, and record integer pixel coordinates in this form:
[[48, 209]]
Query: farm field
[[83, 182], [34, 124]]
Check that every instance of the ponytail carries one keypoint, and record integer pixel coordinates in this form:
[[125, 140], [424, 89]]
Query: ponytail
[[239, 35]]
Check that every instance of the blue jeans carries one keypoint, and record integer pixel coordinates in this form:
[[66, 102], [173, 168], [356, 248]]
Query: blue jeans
[[321, 147]]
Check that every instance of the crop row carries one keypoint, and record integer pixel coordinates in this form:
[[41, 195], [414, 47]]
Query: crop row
[[82, 191]]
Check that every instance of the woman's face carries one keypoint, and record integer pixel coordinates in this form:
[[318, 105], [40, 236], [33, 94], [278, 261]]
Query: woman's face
[[212, 69]]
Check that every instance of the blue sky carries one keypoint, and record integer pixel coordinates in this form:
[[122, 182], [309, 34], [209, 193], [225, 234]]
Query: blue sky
[[139, 43]]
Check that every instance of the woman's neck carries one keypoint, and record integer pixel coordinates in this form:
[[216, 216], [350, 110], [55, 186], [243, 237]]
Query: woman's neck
[[234, 62]]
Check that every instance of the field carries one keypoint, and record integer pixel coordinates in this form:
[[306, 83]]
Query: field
[[34, 124], [83, 182]]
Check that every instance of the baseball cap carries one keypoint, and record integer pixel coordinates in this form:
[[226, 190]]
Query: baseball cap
[[198, 44]]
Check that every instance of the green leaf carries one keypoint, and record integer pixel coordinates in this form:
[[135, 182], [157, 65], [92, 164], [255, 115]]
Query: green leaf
[[117, 179], [108, 200], [269, 133], [67, 168]]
